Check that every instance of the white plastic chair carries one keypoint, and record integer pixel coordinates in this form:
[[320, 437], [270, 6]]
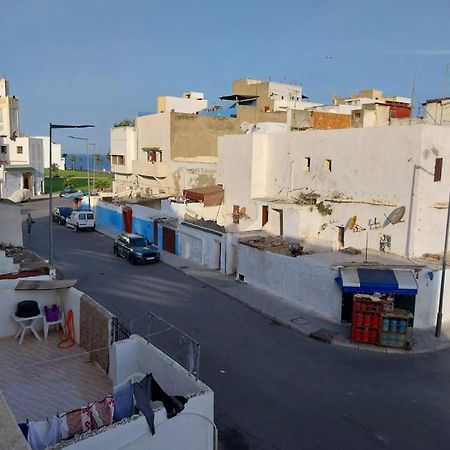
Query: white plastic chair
[[58, 322]]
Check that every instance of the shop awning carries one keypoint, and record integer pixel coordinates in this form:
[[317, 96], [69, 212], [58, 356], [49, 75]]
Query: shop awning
[[384, 281]]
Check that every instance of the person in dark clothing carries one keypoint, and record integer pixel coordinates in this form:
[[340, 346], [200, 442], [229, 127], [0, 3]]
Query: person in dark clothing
[[30, 221]]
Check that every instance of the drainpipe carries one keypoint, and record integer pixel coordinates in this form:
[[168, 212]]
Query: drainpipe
[[444, 266]]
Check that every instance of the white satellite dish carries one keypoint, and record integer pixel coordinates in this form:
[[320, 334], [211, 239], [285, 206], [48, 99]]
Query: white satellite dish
[[395, 216], [245, 126]]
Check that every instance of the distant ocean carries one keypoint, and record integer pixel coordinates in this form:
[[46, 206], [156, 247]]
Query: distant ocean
[[81, 162]]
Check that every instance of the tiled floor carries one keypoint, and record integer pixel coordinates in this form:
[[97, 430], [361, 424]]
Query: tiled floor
[[38, 379]]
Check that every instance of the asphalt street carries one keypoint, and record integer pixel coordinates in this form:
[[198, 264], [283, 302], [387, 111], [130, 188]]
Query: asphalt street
[[274, 389]]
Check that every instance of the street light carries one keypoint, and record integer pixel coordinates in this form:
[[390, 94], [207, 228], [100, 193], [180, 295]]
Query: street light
[[93, 182], [87, 154], [444, 267], [50, 193]]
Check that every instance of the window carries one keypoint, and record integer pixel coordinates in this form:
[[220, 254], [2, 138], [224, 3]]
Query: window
[[265, 215], [3, 149], [438, 169], [308, 164], [19, 150], [118, 160], [328, 165]]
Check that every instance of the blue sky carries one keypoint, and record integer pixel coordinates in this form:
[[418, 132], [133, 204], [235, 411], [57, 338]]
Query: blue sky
[[100, 61]]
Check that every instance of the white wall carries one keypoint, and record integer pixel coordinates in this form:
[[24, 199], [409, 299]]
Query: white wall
[[66, 298], [182, 105], [203, 247], [374, 170], [10, 224], [123, 142], [191, 429], [302, 280]]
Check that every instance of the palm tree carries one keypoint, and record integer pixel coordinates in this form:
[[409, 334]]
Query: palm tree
[[81, 162], [97, 158], [64, 155], [73, 160]]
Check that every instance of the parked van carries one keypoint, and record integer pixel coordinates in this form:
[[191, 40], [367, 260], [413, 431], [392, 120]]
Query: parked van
[[81, 220]]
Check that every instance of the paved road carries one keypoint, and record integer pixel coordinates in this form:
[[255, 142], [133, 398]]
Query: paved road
[[274, 389]]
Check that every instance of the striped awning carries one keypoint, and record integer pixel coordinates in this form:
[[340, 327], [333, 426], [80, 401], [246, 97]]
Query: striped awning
[[384, 281]]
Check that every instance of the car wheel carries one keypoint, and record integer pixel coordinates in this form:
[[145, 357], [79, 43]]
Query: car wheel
[[116, 252], [133, 259]]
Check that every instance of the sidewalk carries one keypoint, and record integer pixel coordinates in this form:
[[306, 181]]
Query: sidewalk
[[288, 313]]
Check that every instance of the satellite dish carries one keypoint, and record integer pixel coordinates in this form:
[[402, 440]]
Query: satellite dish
[[245, 126], [351, 223], [395, 216]]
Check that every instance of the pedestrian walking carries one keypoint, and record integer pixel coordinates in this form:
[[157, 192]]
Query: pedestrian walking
[[30, 221]]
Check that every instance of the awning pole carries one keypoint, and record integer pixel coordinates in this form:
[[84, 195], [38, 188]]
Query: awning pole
[[444, 266]]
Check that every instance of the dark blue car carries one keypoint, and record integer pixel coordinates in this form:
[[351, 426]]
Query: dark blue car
[[60, 214]]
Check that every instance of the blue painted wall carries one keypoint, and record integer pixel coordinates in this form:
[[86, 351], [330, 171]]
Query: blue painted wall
[[109, 218], [144, 227]]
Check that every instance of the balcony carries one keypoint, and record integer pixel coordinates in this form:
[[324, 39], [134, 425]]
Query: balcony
[[150, 169]]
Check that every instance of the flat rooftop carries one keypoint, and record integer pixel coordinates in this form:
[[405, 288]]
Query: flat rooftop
[[39, 380]]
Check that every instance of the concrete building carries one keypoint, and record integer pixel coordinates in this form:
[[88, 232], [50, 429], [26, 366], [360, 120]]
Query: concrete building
[[176, 149], [188, 103], [57, 157], [437, 111], [9, 112], [21, 157], [379, 188]]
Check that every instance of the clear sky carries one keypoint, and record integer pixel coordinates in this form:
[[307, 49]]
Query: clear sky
[[99, 61]]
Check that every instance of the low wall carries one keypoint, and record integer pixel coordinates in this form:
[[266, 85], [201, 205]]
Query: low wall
[[300, 279], [203, 246], [95, 330], [191, 429]]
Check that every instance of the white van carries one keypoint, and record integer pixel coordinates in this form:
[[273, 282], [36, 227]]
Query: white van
[[81, 220]]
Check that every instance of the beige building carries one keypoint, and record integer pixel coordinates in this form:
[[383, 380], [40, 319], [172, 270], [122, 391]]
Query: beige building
[[21, 157], [437, 111], [9, 112], [176, 148]]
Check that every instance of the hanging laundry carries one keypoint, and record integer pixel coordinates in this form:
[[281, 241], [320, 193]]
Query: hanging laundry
[[44, 434], [123, 399], [77, 422], [24, 429], [148, 390], [103, 411]]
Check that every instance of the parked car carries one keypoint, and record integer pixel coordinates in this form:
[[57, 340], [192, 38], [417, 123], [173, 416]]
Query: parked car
[[81, 220], [67, 192], [72, 193], [60, 214], [136, 248]]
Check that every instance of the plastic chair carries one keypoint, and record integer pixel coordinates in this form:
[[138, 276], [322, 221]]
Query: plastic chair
[[47, 323]]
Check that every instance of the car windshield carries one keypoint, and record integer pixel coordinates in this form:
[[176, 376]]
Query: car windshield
[[90, 216], [65, 211], [138, 242]]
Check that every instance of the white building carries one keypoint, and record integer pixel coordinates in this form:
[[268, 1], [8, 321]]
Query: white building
[[189, 103], [383, 188], [21, 157], [56, 153]]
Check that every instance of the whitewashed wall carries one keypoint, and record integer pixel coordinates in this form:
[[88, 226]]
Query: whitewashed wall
[[302, 280], [374, 170]]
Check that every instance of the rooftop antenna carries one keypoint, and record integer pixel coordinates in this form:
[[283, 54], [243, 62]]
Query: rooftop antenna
[[412, 94], [444, 94]]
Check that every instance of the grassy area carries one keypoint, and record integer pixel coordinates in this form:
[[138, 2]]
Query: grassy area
[[79, 178]]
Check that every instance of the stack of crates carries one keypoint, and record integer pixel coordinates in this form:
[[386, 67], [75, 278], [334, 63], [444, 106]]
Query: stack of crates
[[366, 320]]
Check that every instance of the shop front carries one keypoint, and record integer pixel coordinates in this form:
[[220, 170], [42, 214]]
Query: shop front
[[379, 303]]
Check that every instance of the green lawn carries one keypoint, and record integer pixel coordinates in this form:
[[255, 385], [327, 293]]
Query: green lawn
[[79, 177]]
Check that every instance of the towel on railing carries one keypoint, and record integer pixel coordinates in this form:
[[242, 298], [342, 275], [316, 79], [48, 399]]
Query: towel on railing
[[103, 411]]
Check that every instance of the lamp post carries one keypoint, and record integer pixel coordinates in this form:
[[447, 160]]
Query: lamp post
[[87, 154], [50, 191], [93, 182], [444, 267]]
